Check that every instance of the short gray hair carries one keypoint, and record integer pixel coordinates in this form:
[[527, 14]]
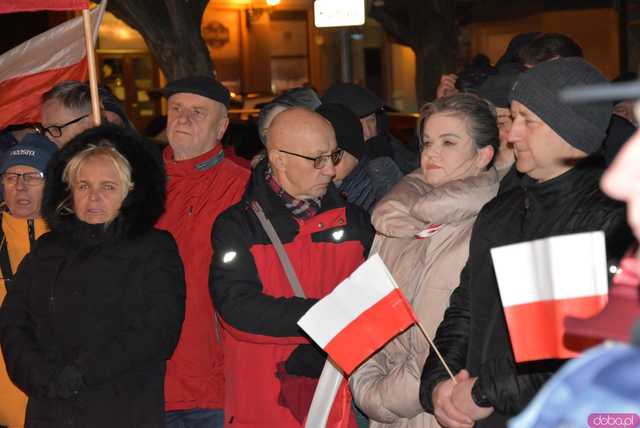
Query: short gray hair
[[71, 94]]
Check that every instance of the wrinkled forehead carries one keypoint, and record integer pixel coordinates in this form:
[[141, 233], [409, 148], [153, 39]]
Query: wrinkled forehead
[[189, 100]]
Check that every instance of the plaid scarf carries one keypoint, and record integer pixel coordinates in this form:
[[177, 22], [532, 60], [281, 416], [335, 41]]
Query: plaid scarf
[[300, 208]]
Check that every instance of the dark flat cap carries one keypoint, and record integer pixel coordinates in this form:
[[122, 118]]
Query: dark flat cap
[[205, 86], [358, 99]]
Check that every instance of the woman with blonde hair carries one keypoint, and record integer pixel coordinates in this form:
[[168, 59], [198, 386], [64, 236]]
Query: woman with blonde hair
[[423, 230], [97, 306]]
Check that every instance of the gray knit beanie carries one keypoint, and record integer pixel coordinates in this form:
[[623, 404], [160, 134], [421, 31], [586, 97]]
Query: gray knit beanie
[[583, 126]]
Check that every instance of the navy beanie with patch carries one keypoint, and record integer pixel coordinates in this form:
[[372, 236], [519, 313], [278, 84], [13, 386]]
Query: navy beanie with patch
[[33, 150], [583, 126]]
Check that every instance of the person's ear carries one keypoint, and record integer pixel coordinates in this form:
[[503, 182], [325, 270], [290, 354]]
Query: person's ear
[[485, 155], [276, 159], [222, 128]]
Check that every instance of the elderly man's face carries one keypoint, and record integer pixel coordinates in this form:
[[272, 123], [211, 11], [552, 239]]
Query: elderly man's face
[[195, 124], [22, 194], [61, 124], [294, 136], [622, 180]]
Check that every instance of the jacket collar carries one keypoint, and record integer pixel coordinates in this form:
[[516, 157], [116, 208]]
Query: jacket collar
[[273, 206], [193, 166], [585, 175]]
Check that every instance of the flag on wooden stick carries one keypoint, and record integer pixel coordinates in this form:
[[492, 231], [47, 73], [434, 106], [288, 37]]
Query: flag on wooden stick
[[34, 67]]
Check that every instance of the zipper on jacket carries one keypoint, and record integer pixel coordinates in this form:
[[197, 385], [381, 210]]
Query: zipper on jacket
[[52, 294], [32, 232]]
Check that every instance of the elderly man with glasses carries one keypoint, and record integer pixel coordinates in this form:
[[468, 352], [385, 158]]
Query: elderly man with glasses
[[288, 243], [22, 177]]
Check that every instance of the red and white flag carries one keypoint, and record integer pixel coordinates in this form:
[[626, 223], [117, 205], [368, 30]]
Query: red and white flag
[[10, 6], [359, 316], [34, 67], [542, 282]]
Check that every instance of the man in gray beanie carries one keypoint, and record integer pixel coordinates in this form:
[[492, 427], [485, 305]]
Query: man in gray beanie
[[556, 148]]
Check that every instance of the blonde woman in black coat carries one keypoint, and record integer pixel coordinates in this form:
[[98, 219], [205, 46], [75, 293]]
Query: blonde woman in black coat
[[97, 306]]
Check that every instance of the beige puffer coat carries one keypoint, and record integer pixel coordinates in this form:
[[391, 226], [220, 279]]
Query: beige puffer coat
[[427, 270]]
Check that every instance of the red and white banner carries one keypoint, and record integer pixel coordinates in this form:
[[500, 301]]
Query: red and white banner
[[34, 67], [542, 282], [10, 6], [359, 316]]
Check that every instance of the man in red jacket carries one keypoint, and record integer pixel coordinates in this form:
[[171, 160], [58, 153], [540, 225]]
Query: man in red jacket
[[201, 184], [271, 367]]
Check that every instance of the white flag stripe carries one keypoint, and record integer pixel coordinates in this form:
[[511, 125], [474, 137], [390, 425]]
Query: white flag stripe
[[59, 47], [561, 267], [367, 285]]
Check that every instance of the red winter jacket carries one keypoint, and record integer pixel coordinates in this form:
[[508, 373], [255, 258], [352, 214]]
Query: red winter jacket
[[198, 190], [255, 300]]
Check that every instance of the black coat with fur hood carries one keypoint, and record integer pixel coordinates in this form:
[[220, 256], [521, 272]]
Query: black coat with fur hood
[[96, 310]]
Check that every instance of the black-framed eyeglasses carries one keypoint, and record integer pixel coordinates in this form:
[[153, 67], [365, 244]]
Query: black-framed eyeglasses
[[320, 161], [28, 178], [56, 130]]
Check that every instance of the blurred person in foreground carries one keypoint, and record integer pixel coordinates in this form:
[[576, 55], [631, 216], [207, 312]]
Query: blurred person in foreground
[[423, 229], [96, 307], [23, 171], [556, 148]]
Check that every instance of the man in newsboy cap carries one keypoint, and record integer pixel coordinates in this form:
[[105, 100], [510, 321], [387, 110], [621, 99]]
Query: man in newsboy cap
[[201, 184]]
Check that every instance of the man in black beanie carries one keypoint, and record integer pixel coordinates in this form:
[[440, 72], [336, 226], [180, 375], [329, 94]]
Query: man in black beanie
[[363, 181], [556, 148], [370, 110]]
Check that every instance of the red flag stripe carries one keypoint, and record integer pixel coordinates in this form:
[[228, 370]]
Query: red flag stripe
[[10, 6], [20, 96], [537, 329], [370, 331]]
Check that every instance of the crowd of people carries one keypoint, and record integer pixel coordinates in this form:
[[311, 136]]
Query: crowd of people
[[149, 286]]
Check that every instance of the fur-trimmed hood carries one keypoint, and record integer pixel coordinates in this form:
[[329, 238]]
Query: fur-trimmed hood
[[144, 204]]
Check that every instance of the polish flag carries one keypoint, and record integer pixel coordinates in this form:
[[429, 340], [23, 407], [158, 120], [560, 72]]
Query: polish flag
[[542, 282], [34, 67], [359, 316], [10, 6]]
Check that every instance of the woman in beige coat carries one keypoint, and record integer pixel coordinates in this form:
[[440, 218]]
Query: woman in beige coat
[[423, 229]]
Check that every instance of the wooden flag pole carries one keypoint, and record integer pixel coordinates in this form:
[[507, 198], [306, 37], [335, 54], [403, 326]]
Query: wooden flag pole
[[433, 346], [93, 75], [424, 333]]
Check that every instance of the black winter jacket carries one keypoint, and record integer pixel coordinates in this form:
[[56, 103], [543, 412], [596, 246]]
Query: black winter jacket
[[474, 333], [94, 312]]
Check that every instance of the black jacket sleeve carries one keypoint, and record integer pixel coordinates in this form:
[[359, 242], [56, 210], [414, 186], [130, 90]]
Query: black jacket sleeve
[[236, 289], [153, 325], [451, 339], [28, 365]]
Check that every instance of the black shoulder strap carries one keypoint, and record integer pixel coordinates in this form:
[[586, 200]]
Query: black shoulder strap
[[5, 263]]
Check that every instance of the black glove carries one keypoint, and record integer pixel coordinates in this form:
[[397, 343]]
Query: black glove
[[379, 146], [68, 383], [306, 360]]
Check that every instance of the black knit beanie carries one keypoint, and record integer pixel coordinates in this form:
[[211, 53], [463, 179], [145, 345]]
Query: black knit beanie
[[583, 126], [347, 127]]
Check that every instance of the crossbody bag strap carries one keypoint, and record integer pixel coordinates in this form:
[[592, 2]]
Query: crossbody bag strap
[[5, 262], [282, 253]]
